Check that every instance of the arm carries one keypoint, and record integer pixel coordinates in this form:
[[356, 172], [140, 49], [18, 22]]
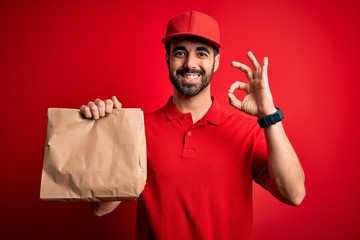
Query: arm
[[96, 110], [286, 174], [102, 208]]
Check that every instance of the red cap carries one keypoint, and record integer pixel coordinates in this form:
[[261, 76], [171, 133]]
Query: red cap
[[193, 23]]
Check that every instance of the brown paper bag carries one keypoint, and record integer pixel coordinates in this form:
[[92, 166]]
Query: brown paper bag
[[94, 160]]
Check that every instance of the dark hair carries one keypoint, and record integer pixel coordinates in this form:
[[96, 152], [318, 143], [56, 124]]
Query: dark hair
[[167, 46]]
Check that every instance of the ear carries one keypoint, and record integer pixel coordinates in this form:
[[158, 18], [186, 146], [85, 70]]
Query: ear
[[217, 62]]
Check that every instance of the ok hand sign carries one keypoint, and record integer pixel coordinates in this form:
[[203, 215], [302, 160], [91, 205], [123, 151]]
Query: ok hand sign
[[258, 99]]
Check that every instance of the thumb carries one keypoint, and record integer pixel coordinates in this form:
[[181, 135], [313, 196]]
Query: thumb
[[117, 104]]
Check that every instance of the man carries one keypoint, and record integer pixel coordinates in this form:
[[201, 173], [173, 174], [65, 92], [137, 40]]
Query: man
[[202, 158]]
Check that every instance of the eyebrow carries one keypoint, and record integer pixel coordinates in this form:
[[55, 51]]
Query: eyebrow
[[202, 49], [179, 48]]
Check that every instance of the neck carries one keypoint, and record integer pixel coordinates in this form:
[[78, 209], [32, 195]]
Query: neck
[[197, 105]]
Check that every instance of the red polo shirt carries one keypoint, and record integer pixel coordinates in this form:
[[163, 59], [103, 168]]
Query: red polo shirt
[[199, 183]]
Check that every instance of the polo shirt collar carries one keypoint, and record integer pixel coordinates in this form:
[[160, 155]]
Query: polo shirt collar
[[212, 116]]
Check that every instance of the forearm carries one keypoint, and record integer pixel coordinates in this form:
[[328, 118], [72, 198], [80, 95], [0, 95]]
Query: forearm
[[286, 174], [102, 208]]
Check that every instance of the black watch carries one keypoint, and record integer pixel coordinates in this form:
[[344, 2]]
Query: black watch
[[271, 119]]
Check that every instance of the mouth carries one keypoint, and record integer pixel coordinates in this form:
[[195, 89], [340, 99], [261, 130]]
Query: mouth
[[190, 74]]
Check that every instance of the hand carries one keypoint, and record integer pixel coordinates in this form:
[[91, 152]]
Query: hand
[[258, 99], [100, 108]]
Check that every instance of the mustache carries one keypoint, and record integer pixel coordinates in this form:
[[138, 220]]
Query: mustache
[[187, 70]]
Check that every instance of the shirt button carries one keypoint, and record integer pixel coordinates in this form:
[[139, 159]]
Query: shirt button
[[189, 133]]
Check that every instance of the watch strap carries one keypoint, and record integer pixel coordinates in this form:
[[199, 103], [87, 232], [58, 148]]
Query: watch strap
[[271, 119]]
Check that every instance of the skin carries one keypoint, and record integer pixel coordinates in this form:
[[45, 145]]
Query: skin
[[286, 175]]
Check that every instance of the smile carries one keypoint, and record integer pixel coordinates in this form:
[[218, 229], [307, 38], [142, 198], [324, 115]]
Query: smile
[[190, 76]]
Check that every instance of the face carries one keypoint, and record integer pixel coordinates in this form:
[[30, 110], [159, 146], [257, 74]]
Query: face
[[191, 64]]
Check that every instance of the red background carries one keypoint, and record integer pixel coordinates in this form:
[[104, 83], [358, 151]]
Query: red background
[[65, 53]]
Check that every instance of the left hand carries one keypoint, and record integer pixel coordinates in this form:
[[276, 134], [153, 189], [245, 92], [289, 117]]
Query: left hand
[[258, 99]]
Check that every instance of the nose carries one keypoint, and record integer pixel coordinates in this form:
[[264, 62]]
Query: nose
[[190, 62]]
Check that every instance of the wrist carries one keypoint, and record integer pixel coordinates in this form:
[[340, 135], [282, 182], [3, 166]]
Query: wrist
[[271, 119], [266, 108]]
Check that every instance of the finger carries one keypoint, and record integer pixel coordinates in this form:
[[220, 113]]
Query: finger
[[94, 110], [254, 62], [237, 85], [117, 104], [85, 110], [109, 104], [243, 68], [234, 101], [101, 107], [265, 68]]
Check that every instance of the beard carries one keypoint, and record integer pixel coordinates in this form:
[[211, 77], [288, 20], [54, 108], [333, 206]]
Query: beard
[[191, 89]]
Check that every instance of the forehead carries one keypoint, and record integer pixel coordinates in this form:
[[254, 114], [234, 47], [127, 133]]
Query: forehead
[[191, 43]]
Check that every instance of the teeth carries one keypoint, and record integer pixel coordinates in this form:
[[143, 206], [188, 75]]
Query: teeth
[[191, 76]]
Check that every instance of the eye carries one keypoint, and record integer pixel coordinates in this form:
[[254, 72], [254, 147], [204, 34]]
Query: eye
[[179, 54], [203, 54]]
